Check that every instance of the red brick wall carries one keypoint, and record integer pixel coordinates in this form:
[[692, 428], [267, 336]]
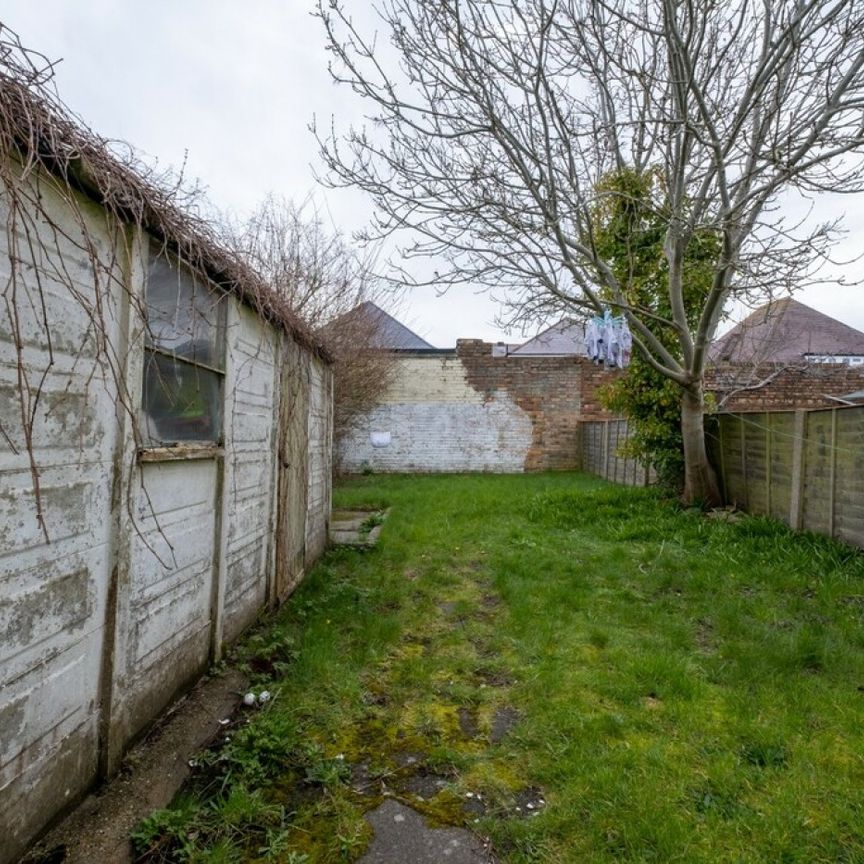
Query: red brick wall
[[784, 388], [556, 393]]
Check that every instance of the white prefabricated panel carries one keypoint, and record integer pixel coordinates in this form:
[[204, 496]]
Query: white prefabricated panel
[[53, 595], [170, 588], [320, 458], [250, 417]]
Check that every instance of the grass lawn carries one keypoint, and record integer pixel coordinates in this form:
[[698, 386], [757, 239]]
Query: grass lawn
[[578, 671]]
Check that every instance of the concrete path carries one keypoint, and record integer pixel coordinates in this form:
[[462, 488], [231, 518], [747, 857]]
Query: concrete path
[[402, 836]]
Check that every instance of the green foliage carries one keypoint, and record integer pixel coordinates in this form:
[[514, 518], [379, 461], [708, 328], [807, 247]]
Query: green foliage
[[630, 232]]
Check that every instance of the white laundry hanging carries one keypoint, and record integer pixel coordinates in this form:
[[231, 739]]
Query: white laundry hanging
[[608, 340]]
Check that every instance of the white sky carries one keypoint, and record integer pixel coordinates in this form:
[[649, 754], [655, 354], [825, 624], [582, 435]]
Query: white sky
[[231, 87]]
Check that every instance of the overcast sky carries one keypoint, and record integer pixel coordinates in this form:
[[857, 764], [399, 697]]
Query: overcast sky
[[231, 88]]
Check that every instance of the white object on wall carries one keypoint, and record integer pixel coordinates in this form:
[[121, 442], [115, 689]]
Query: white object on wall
[[380, 439]]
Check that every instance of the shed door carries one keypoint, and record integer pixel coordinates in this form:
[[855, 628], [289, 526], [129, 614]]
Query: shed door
[[293, 470]]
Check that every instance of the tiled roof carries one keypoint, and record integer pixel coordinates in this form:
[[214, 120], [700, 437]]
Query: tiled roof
[[389, 333], [564, 338], [784, 331]]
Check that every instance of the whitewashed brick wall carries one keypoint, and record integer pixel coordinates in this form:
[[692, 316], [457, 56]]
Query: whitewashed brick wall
[[438, 422]]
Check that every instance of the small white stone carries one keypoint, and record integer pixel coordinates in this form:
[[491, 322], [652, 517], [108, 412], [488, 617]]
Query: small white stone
[[398, 818], [264, 696], [249, 699]]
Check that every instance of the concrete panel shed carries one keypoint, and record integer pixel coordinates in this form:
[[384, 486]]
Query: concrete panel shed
[[165, 452]]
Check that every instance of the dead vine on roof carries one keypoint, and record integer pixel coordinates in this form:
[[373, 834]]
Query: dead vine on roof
[[48, 155]]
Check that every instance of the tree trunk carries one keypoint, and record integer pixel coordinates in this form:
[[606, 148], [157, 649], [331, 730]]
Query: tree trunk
[[700, 479]]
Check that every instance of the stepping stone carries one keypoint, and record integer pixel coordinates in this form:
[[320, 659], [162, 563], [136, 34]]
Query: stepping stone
[[403, 837], [503, 721], [346, 527]]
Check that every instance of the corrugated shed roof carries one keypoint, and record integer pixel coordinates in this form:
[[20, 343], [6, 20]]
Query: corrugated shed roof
[[564, 338], [784, 331], [389, 333]]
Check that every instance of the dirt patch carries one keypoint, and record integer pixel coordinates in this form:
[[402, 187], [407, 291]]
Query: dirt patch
[[97, 831], [493, 678], [529, 801]]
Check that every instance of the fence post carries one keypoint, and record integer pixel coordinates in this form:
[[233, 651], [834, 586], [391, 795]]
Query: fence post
[[832, 476], [605, 450], [768, 463], [721, 444], [746, 479], [796, 499]]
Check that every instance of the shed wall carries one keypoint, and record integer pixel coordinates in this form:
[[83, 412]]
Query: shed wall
[[156, 558], [52, 596]]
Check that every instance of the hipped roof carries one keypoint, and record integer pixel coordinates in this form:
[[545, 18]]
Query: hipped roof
[[564, 338], [385, 331], [785, 331], [37, 127]]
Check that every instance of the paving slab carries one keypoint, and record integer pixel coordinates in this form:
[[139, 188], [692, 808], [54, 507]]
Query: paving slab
[[346, 527], [402, 836]]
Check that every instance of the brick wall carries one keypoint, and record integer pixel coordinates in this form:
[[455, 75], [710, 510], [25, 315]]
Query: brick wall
[[470, 411], [548, 389], [768, 388]]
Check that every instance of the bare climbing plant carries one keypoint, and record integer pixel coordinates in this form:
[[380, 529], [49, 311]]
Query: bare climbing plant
[[325, 280], [49, 155]]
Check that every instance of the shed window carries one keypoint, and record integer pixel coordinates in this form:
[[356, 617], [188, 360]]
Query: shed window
[[184, 359]]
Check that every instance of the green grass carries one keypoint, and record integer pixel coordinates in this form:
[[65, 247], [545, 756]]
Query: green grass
[[686, 689]]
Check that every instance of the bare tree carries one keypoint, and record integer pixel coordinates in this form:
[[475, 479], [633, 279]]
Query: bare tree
[[324, 280], [493, 124]]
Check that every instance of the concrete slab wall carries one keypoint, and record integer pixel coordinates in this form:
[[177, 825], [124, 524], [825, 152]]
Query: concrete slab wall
[[157, 556], [250, 468], [53, 596], [320, 460]]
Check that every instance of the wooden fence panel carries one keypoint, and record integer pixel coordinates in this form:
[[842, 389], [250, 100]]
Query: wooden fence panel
[[849, 488], [601, 442], [816, 514], [779, 477], [803, 467]]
